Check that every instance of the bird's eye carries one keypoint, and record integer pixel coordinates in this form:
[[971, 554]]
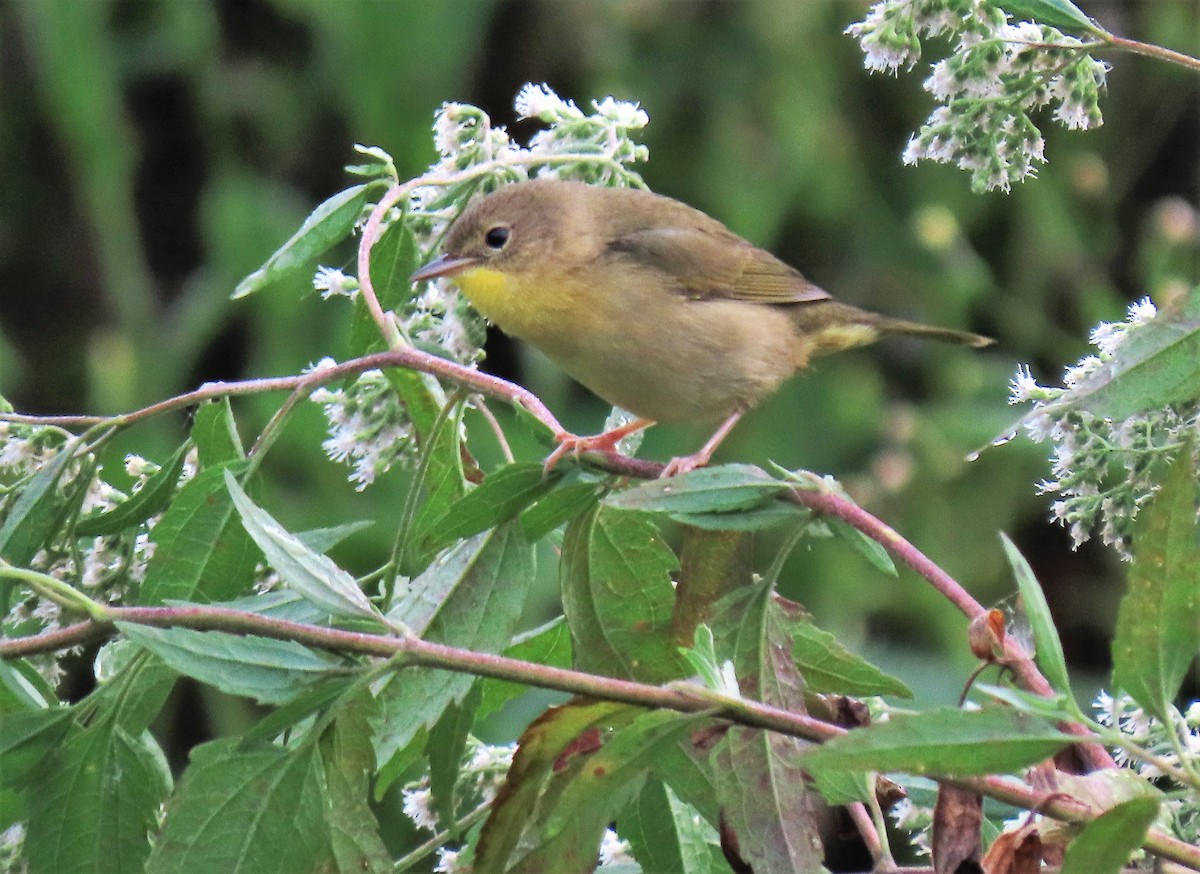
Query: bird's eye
[[496, 237]]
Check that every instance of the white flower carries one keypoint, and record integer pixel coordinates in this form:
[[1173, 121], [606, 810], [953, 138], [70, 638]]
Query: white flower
[[1142, 311], [614, 851], [332, 282], [622, 113], [418, 806], [447, 862], [538, 101]]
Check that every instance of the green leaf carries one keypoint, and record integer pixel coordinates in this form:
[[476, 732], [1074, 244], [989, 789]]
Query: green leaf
[[324, 539], [1056, 13], [1158, 623], [36, 513], [1155, 366], [827, 666], [617, 595], [718, 489], [1045, 636], [96, 802], [28, 738], [571, 499], [869, 549], [946, 741], [472, 596], [313, 575], [839, 787], [202, 552], [394, 257], [445, 748], [214, 431], [501, 496], [329, 223], [558, 739], [759, 775], [755, 519], [270, 671], [1106, 843], [143, 504], [246, 808], [666, 834], [548, 645], [349, 763]]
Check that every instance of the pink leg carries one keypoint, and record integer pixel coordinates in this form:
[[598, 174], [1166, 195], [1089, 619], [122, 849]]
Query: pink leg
[[686, 463], [603, 442]]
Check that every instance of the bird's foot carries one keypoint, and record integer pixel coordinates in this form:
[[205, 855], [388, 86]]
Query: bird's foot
[[606, 441]]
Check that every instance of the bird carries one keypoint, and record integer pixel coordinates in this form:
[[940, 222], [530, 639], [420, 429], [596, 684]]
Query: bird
[[654, 306]]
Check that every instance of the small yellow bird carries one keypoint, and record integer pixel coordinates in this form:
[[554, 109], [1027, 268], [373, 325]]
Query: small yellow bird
[[649, 303]]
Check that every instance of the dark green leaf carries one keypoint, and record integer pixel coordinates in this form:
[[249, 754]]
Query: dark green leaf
[[559, 507], [946, 742], [548, 645], [1158, 624], [719, 489], [617, 596], [501, 496], [214, 431], [143, 504], [96, 804], [472, 596], [1056, 13], [827, 666], [28, 738], [445, 748], [1045, 636], [1107, 842], [666, 834], [313, 575], [246, 808], [329, 223], [202, 552], [268, 670], [869, 549]]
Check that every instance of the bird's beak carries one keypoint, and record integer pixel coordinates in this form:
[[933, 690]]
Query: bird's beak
[[444, 266]]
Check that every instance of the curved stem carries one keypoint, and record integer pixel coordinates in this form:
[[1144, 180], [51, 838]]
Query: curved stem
[[1152, 51]]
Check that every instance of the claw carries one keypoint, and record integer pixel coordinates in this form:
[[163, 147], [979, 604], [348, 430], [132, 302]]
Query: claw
[[606, 441], [687, 463]]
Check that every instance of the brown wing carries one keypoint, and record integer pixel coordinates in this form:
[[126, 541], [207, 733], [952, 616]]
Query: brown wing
[[708, 263]]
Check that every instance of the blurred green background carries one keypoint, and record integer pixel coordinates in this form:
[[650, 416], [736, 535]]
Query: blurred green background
[[153, 153]]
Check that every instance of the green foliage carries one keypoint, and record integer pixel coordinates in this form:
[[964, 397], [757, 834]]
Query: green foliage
[[380, 666]]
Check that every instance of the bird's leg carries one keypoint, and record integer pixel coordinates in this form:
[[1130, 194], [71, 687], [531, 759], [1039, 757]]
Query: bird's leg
[[686, 463], [605, 441]]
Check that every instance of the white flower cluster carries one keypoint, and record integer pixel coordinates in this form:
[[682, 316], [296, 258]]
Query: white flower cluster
[[996, 75], [368, 426], [473, 156], [1150, 734], [1103, 470]]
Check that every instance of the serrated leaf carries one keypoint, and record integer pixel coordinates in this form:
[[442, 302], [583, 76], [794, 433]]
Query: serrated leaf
[[548, 645], [472, 596], [1158, 623], [1056, 13], [349, 763], [313, 575], [617, 596], [827, 666], [946, 741], [215, 434], [96, 804], [565, 503], [718, 489], [329, 223], [1047, 645], [501, 496], [246, 808], [143, 504], [1106, 843], [268, 670], [202, 552], [759, 775], [869, 549]]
